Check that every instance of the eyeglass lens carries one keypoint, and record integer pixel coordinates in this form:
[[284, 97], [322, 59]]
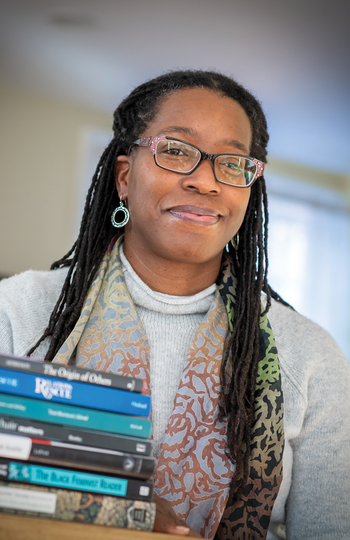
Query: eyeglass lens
[[181, 157]]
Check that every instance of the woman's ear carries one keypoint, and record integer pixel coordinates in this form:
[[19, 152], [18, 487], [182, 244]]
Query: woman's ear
[[122, 173]]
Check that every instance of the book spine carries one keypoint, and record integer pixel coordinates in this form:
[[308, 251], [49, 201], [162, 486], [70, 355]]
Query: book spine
[[72, 373], [67, 505], [42, 430], [73, 393], [75, 416], [72, 455], [129, 488]]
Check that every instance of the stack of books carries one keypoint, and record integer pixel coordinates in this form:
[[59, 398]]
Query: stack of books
[[74, 445]]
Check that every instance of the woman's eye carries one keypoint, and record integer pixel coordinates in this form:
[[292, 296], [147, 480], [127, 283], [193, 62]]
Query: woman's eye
[[233, 166], [175, 151], [171, 149]]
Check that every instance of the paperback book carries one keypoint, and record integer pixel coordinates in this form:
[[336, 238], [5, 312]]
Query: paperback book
[[84, 437], [72, 455], [83, 507], [73, 393], [129, 488], [55, 413], [71, 373]]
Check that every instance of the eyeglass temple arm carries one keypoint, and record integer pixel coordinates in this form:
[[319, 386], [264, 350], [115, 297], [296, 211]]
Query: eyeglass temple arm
[[260, 167], [150, 142]]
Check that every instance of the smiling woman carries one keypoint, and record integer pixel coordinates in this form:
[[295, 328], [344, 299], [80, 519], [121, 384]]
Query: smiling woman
[[168, 281]]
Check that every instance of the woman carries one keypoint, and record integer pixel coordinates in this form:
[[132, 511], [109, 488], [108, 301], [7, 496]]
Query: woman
[[165, 282]]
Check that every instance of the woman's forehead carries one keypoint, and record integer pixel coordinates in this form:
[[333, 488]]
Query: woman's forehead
[[195, 98], [199, 111]]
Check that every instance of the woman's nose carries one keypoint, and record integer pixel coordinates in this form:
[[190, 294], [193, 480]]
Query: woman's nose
[[202, 179]]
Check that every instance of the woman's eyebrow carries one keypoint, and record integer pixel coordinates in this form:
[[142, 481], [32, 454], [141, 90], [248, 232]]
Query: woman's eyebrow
[[236, 144], [179, 129]]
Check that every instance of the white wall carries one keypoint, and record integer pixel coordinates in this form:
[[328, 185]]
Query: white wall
[[40, 156]]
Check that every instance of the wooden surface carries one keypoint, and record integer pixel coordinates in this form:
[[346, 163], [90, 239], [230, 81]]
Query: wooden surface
[[16, 527]]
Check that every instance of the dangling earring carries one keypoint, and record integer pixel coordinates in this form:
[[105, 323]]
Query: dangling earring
[[235, 241], [120, 208]]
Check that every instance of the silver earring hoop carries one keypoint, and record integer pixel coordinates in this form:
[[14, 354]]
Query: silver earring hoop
[[120, 208], [235, 241]]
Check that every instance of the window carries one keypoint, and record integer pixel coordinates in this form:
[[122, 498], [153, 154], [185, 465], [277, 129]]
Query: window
[[309, 253]]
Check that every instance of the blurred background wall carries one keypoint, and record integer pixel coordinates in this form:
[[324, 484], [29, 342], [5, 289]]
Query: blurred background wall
[[41, 152], [65, 65]]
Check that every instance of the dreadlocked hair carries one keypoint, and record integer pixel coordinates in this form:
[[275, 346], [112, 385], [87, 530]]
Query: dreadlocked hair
[[241, 357]]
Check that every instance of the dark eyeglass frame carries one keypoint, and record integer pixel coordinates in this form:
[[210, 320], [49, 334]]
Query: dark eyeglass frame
[[152, 142]]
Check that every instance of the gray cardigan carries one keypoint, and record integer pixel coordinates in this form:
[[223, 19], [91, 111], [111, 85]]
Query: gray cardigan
[[314, 499]]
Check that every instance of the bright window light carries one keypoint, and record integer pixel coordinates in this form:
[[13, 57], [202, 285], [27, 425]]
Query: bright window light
[[309, 253]]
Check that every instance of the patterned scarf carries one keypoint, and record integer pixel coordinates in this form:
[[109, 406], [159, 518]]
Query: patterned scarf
[[193, 471]]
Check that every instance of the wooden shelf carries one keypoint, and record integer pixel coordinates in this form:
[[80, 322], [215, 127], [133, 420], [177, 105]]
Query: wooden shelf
[[17, 527]]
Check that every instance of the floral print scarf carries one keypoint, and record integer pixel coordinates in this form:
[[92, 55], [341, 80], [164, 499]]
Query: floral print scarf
[[193, 470]]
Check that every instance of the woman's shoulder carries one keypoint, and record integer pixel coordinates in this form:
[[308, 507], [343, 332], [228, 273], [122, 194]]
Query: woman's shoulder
[[305, 349], [33, 283], [26, 303]]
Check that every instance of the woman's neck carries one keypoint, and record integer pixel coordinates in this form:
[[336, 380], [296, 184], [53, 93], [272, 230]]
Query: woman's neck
[[170, 276]]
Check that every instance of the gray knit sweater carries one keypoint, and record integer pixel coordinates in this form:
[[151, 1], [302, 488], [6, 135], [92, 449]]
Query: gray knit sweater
[[314, 499]]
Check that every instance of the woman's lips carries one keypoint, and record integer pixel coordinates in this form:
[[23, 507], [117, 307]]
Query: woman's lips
[[195, 214]]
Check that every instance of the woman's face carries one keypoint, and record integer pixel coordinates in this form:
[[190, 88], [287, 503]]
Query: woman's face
[[182, 218]]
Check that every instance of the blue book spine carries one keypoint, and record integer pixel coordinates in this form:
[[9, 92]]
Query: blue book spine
[[73, 393], [48, 476], [63, 478], [74, 416]]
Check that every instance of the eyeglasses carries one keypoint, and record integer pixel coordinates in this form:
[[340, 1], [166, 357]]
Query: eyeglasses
[[182, 157]]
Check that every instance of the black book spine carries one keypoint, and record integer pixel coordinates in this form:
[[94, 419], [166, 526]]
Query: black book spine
[[71, 373], [118, 464], [99, 439]]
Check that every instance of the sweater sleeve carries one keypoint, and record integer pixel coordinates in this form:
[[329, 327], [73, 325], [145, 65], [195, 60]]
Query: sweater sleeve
[[26, 303], [318, 502], [314, 499]]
